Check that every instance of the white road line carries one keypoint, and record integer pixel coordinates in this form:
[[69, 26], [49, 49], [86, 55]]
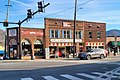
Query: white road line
[[26, 79], [50, 78], [102, 74], [98, 73], [87, 75], [117, 73], [70, 77]]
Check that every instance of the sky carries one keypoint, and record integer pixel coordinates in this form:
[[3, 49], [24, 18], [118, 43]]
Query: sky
[[106, 11]]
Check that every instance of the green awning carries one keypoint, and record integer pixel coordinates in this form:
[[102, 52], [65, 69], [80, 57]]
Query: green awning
[[117, 43]]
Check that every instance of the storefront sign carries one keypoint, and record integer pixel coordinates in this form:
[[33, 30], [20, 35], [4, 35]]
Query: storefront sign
[[12, 32], [65, 40], [40, 33]]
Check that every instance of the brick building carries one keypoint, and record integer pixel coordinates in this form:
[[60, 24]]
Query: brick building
[[59, 35], [32, 40], [113, 44], [94, 35]]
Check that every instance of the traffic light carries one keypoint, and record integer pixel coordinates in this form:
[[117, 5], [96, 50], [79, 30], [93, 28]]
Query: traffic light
[[40, 6], [29, 14], [5, 23]]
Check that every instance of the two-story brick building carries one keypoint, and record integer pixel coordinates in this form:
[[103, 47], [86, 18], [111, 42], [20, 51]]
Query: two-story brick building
[[59, 35]]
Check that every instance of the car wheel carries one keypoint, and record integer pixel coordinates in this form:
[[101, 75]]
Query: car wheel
[[102, 56], [88, 57]]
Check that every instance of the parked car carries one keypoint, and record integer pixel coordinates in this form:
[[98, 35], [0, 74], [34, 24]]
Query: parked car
[[93, 53]]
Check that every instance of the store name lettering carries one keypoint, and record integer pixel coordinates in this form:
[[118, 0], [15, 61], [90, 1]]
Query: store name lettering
[[65, 40]]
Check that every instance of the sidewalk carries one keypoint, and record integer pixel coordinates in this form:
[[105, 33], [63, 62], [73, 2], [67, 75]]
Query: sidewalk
[[52, 59]]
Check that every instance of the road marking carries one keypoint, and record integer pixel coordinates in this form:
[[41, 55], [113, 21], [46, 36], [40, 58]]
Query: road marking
[[70, 77], [117, 73], [50, 78], [26, 79], [102, 74], [87, 75]]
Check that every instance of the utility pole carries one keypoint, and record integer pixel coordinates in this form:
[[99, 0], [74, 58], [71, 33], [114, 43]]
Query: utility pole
[[74, 29], [6, 25], [30, 14]]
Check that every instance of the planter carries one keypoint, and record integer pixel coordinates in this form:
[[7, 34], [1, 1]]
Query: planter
[[39, 57]]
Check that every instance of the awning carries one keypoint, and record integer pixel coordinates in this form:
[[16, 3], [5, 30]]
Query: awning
[[1, 51], [117, 43]]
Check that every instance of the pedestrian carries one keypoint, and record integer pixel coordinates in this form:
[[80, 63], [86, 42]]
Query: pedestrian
[[63, 53]]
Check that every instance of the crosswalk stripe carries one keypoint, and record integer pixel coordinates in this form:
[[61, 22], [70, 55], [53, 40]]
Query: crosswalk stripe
[[87, 75], [117, 73], [70, 77], [50, 78], [26, 79], [99, 73], [104, 74]]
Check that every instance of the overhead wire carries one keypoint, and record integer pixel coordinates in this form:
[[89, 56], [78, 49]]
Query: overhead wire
[[66, 9]]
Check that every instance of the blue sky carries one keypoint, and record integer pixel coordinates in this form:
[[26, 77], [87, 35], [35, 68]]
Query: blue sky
[[107, 11]]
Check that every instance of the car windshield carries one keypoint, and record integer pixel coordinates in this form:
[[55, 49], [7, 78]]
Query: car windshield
[[89, 50]]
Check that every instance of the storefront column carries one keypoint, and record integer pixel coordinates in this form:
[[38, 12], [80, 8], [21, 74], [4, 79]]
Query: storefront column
[[32, 56], [47, 53]]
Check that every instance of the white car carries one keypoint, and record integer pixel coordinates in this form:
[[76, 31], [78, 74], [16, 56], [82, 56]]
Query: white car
[[93, 53]]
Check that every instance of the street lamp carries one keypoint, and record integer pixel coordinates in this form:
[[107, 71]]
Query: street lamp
[[74, 29]]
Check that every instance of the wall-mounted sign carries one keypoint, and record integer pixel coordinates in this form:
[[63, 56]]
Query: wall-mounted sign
[[12, 32], [66, 24], [65, 40], [36, 33]]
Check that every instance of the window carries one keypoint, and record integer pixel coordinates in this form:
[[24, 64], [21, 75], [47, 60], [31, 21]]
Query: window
[[98, 34], [78, 34], [90, 34], [98, 26], [54, 33], [66, 34], [89, 26]]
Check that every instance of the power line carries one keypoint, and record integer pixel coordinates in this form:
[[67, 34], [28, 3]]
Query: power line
[[67, 9], [2, 12]]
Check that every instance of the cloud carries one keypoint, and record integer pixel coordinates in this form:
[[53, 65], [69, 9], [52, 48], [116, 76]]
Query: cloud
[[21, 3]]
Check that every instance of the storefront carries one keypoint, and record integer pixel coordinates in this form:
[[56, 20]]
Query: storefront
[[93, 45], [60, 45], [59, 35], [31, 44]]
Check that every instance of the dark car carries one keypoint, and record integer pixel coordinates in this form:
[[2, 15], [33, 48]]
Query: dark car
[[93, 53]]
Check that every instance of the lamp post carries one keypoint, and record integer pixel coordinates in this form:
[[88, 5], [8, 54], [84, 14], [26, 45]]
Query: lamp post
[[74, 28]]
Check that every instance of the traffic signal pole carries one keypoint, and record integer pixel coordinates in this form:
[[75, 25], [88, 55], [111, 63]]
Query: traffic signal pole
[[40, 9]]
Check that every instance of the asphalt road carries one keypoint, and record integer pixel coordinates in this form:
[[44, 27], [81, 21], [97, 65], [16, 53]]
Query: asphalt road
[[96, 69]]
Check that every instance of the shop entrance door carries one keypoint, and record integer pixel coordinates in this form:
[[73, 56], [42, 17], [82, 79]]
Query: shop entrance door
[[13, 52]]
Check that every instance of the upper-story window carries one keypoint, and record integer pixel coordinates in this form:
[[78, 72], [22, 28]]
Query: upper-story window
[[54, 33], [66, 34], [98, 34], [90, 34], [78, 34]]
